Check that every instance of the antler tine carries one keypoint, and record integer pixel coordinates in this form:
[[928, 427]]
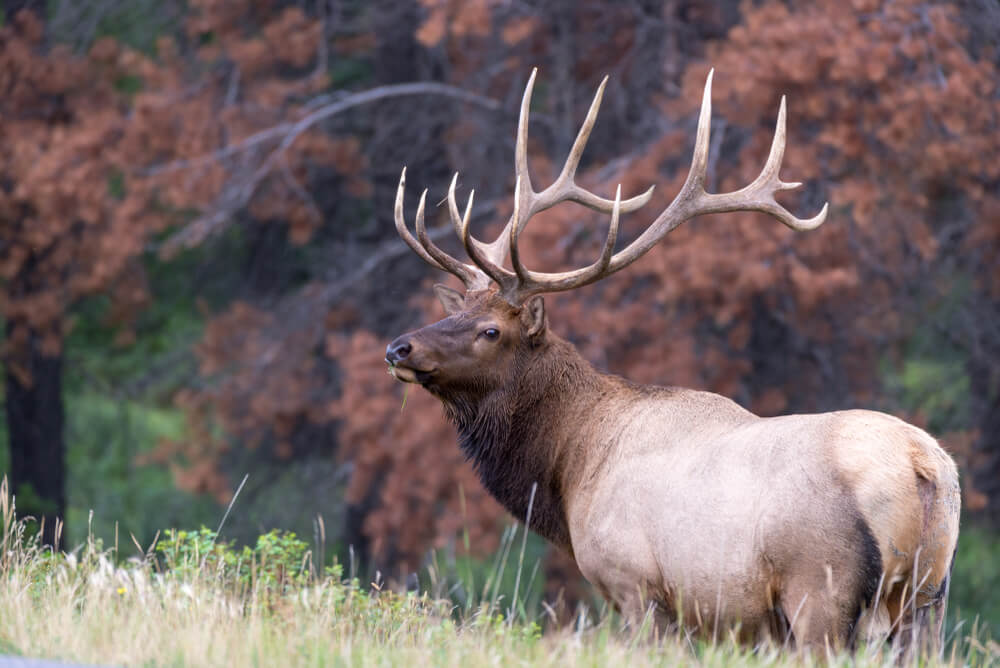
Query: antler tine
[[769, 177], [695, 180], [473, 278], [476, 250], [604, 262], [521, 147], [693, 189], [522, 178], [496, 273], [565, 188], [401, 228], [489, 257], [691, 201], [513, 230], [496, 251], [427, 250], [580, 143]]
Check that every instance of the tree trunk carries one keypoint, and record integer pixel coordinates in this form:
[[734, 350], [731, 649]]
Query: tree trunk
[[35, 431]]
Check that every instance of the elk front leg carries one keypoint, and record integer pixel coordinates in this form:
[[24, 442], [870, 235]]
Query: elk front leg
[[643, 612]]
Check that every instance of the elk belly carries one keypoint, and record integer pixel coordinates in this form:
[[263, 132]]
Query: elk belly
[[696, 553]]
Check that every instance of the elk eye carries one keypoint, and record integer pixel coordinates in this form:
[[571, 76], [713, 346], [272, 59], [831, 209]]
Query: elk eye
[[492, 333]]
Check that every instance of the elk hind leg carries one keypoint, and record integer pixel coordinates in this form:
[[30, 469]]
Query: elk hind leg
[[921, 604], [918, 612], [813, 614], [825, 603]]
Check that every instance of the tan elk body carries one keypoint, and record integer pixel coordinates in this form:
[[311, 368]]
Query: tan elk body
[[675, 501]]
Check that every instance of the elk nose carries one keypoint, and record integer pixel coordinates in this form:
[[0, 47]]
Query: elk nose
[[398, 350]]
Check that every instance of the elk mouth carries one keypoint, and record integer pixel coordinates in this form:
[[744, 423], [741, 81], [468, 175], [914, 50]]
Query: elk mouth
[[406, 374]]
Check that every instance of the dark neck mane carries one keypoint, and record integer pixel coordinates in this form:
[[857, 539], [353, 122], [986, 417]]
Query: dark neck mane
[[513, 435]]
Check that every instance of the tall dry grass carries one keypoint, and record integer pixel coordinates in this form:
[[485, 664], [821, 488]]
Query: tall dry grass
[[91, 606]]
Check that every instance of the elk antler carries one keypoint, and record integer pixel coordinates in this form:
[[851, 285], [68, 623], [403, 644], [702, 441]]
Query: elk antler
[[471, 276], [691, 201]]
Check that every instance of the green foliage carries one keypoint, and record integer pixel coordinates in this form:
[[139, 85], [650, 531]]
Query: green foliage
[[136, 23], [265, 605], [509, 584], [157, 360], [119, 408], [938, 388], [31, 507], [205, 610], [116, 184], [110, 494], [31, 503], [976, 578], [130, 85], [345, 72], [931, 379], [5, 646], [278, 559]]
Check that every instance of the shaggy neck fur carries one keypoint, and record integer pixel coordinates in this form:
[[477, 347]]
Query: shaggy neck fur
[[519, 434]]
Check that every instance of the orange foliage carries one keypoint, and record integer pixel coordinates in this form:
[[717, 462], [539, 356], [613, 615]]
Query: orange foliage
[[65, 232], [890, 114]]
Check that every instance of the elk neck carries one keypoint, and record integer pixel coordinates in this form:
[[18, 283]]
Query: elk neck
[[530, 431]]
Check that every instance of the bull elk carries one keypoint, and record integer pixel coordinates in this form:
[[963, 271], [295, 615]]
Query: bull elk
[[673, 500]]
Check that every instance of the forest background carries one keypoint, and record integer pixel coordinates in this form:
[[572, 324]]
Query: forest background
[[199, 270]]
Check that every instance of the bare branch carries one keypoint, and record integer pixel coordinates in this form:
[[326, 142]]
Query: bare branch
[[239, 191], [339, 106]]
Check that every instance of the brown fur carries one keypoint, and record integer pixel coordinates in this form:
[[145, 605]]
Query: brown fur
[[683, 502]]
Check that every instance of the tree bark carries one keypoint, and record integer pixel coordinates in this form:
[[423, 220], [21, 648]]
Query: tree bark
[[35, 432]]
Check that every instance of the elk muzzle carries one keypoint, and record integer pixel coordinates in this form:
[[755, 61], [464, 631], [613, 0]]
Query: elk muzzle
[[397, 356]]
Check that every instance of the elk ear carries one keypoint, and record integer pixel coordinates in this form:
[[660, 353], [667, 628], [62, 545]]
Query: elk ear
[[533, 317], [452, 300]]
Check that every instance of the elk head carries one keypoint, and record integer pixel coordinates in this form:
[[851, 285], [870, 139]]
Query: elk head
[[489, 332], [477, 347]]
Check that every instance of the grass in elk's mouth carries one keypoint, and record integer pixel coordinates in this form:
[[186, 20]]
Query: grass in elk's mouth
[[406, 390]]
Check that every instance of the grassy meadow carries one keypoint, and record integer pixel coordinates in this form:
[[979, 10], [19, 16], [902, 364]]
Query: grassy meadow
[[194, 600]]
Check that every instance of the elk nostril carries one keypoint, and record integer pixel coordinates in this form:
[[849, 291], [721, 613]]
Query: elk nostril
[[397, 351]]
